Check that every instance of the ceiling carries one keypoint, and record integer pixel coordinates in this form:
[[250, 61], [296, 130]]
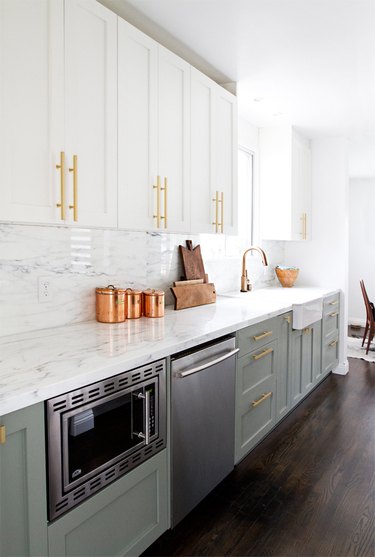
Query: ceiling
[[310, 63]]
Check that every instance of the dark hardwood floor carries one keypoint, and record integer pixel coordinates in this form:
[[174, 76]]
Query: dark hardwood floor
[[306, 490]]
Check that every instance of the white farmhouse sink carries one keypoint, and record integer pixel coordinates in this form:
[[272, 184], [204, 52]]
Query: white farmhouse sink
[[307, 313]]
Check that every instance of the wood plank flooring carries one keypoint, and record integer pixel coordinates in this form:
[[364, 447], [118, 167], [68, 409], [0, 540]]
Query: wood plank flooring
[[306, 490]]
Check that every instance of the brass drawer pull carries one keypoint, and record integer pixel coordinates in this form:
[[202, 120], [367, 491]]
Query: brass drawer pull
[[333, 343], [264, 397], [287, 319], [306, 331], [2, 434], [262, 354], [333, 314], [263, 335], [334, 303]]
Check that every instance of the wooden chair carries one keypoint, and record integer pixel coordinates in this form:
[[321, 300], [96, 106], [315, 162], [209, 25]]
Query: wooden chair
[[370, 317]]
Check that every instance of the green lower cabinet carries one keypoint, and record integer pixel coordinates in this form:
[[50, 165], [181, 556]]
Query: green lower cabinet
[[255, 397], [330, 354], [123, 519], [305, 360], [23, 500]]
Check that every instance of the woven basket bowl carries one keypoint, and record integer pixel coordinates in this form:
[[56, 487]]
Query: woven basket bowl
[[287, 277]]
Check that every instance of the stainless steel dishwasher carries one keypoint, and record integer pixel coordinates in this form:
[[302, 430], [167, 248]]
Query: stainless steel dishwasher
[[203, 396]]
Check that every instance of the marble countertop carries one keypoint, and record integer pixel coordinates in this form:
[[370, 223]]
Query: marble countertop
[[41, 364]]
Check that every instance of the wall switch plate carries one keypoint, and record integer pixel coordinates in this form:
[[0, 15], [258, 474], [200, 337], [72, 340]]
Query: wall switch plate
[[44, 289]]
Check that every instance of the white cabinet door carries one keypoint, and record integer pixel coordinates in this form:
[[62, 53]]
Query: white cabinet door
[[301, 188], [91, 111], [31, 108], [137, 134], [285, 184], [173, 140], [226, 159], [202, 153]]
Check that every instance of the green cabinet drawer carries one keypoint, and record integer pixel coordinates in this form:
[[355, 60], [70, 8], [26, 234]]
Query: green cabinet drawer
[[257, 366], [255, 416], [330, 354], [257, 335]]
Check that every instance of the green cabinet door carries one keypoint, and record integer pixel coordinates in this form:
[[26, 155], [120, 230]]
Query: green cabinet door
[[122, 519], [23, 501], [283, 403], [306, 360]]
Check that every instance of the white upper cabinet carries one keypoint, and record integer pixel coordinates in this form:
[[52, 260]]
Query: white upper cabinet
[[59, 99], [285, 184], [31, 109], [213, 157], [91, 112], [226, 156], [137, 132], [154, 92], [173, 140]]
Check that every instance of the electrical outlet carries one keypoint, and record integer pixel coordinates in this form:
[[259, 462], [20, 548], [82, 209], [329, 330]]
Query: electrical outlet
[[44, 289]]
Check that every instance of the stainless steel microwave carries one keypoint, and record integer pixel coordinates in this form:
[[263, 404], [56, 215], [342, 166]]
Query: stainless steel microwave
[[98, 433]]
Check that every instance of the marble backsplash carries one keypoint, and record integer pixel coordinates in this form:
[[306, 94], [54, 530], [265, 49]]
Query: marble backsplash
[[76, 260]]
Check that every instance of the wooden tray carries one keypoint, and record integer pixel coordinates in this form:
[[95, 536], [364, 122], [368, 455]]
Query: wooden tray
[[192, 261], [193, 295]]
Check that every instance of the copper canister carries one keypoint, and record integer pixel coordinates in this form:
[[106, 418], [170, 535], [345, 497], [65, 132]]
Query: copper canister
[[153, 303], [133, 303], [110, 304]]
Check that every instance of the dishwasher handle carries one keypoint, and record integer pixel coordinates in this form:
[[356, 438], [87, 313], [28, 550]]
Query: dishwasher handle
[[182, 374]]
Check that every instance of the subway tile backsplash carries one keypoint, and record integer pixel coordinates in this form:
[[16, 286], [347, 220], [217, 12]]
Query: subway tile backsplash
[[76, 260]]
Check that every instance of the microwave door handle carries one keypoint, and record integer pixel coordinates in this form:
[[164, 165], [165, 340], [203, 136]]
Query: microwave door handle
[[147, 417]]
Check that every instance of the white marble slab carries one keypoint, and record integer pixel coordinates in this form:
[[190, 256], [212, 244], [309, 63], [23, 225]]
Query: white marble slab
[[41, 364]]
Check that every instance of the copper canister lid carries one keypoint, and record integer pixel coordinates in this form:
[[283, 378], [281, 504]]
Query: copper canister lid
[[153, 292], [110, 289]]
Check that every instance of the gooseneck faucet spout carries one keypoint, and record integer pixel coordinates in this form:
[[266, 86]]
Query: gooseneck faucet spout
[[245, 283]]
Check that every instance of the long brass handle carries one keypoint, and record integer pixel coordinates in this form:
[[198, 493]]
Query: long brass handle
[[262, 354], [74, 169], [222, 212], [333, 343], [2, 435], [216, 201], [304, 226], [61, 167], [264, 397], [263, 335], [165, 190], [333, 314], [157, 188]]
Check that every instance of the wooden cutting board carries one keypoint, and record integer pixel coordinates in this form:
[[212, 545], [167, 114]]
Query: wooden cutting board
[[193, 295], [192, 261]]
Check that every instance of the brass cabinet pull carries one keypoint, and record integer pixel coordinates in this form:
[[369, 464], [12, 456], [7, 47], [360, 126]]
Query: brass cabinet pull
[[287, 319], [264, 397], [157, 188], [262, 354], [263, 335], [333, 343], [74, 169], [333, 314], [2, 435], [304, 226], [222, 212], [165, 190], [306, 330], [61, 167], [334, 303], [216, 222]]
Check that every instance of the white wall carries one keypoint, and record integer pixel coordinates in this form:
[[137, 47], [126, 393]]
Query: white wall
[[324, 260], [361, 246]]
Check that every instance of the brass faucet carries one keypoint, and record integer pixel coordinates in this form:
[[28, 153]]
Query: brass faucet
[[245, 283]]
